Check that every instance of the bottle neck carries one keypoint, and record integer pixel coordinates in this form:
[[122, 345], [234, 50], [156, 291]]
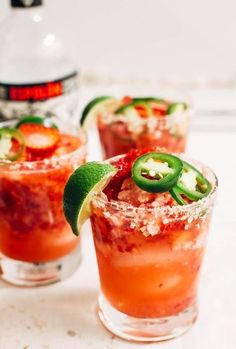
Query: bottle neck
[[31, 12], [26, 4]]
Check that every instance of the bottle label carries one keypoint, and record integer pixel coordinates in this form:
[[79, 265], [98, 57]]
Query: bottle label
[[18, 99]]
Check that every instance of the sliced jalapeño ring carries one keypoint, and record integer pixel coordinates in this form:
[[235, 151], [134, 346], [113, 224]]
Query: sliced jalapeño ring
[[192, 183], [177, 196], [12, 144], [142, 107], [177, 107], [156, 172], [30, 119]]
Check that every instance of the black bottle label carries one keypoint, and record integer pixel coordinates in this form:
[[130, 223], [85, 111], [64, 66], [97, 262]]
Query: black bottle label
[[41, 98]]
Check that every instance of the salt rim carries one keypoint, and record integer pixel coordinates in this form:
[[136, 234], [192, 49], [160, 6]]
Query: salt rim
[[195, 210], [54, 162], [121, 116], [136, 123]]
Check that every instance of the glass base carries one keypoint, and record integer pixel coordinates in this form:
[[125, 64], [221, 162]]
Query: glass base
[[37, 274], [145, 329]]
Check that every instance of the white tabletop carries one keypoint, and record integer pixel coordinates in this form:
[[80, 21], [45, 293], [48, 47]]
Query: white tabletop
[[63, 315]]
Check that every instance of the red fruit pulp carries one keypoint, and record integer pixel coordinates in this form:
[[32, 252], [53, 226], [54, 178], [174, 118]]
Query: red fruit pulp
[[33, 227], [124, 166]]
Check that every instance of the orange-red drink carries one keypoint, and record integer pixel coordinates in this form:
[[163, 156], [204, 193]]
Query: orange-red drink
[[149, 252], [138, 124], [36, 244]]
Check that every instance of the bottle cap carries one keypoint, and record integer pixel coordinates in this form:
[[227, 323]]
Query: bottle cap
[[26, 3]]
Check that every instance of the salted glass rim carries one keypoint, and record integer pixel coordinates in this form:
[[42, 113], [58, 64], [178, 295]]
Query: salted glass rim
[[187, 112], [41, 165], [184, 99], [198, 206]]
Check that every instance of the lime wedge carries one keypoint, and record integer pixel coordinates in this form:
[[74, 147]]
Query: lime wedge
[[96, 106], [89, 179]]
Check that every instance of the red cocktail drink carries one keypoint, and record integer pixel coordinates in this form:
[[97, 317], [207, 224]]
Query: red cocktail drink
[[149, 252], [35, 240], [142, 124]]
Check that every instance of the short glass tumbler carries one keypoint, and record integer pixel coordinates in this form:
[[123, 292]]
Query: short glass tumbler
[[36, 243], [149, 262], [120, 133]]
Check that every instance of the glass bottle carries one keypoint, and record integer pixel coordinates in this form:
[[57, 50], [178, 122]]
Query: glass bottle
[[37, 76]]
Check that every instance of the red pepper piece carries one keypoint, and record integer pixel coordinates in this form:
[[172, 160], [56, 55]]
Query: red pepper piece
[[127, 100]]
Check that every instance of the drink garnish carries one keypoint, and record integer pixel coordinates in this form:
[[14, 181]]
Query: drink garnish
[[149, 106], [160, 172], [39, 139], [153, 172], [142, 108], [158, 105], [148, 99], [156, 172], [12, 144], [30, 119], [96, 106], [124, 166], [191, 184], [88, 180], [177, 107]]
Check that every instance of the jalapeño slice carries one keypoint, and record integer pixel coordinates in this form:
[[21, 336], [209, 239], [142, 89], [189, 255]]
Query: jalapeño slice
[[177, 196], [145, 106], [156, 172], [191, 184], [141, 107], [148, 99], [36, 120], [176, 107], [12, 144]]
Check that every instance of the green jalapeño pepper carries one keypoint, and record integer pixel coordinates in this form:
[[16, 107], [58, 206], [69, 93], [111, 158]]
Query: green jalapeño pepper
[[176, 107], [12, 144], [177, 196], [36, 120], [142, 108], [156, 172], [191, 184]]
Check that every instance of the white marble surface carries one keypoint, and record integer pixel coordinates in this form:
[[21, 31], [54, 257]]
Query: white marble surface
[[63, 315]]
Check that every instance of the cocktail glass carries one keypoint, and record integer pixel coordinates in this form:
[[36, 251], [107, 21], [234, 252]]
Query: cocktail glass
[[149, 261], [121, 133], [36, 243]]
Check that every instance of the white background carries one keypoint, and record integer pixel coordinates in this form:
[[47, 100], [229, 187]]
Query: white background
[[189, 38]]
